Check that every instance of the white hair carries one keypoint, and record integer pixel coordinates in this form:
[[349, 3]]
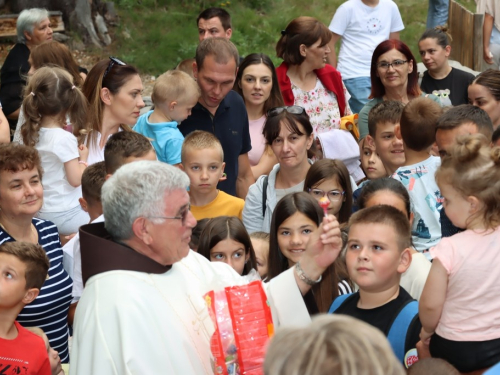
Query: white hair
[[27, 20], [138, 189]]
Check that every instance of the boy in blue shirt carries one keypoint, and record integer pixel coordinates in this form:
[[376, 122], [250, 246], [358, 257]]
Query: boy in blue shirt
[[175, 93]]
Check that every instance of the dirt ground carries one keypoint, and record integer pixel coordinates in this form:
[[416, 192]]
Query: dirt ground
[[86, 60]]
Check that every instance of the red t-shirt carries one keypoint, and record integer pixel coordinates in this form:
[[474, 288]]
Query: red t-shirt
[[25, 355]]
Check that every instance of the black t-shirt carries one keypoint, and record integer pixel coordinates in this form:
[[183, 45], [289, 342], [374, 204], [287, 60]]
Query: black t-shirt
[[451, 90], [383, 316]]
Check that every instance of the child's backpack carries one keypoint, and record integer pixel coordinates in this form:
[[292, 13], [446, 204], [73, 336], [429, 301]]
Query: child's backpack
[[399, 327]]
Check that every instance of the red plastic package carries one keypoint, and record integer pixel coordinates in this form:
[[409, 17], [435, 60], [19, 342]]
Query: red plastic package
[[244, 324]]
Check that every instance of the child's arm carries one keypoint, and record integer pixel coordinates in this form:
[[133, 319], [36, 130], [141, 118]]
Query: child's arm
[[74, 169], [432, 299]]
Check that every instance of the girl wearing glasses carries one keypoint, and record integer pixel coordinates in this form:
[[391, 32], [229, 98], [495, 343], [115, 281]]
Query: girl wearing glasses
[[330, 178], [295, 218], [114, 91], [304, 77], [447, 83], [394, 76], [257, 83], [290, 135]]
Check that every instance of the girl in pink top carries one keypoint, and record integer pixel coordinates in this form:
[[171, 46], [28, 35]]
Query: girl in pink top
[[460, 304]]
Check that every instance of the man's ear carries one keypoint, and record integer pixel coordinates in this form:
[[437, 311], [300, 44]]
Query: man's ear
[[141, 230], [195, 70], [30, 295], [229, 32], [105, 95], [404, 261]]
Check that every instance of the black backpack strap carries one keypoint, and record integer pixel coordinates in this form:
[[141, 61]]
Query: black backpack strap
[[264, 195]]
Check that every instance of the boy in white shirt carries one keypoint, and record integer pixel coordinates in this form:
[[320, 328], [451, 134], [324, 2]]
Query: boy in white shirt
[[362, 25]]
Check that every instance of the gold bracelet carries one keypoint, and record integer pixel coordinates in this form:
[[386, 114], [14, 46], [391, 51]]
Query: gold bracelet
[[304, 277]]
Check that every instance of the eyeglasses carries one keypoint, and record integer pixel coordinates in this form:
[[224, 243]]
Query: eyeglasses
[[112, 61], [182, 216], [332, 195], [395, 64], [293, 109]]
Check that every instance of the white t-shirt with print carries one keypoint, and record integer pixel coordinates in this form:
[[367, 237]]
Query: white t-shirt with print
[[363, 28]]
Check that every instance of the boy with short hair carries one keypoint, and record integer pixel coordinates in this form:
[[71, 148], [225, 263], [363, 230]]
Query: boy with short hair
[[24, 268], [378, 253], [175, 93], [382, 120], [418, 129], [203, 161]]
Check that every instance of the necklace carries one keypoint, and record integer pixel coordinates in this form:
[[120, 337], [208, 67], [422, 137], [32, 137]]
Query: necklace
[[33, 234]]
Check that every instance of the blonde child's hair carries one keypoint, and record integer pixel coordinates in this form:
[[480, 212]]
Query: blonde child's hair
[[200, 140], [186, 66], [331, 344], [39, 332], [473, 169], [174, 85], [51, 92], [264, 236]]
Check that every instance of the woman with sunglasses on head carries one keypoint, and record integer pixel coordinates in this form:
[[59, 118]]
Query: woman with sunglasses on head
[[114, 91], [304, 77], [289, 133], [394, 76], [257, 83]]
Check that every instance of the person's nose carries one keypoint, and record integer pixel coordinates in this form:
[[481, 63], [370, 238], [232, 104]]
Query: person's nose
[[286, 145], [390, 67], [204, 174], [141, 103], [257, 84], [29, 190], [363, 253], [190, 220], [217, 89], [328, 50], [49, 30], [296, 239], [372, 158]]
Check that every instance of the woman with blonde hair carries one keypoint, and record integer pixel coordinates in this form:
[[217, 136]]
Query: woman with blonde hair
[[331, 344]]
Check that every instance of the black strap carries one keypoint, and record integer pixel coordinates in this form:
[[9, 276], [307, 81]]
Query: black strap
[[264, 195]]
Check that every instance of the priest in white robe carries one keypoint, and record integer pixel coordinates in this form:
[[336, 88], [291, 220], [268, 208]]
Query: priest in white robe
[[142, 310]]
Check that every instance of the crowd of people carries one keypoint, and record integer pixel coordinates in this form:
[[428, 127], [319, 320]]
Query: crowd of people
[[115, 227]]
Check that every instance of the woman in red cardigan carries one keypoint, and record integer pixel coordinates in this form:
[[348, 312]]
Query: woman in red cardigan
[[304, 77]]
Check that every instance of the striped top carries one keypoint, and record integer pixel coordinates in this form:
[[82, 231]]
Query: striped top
[[49, 310]]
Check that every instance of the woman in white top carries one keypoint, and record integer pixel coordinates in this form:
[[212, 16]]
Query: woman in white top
[[290, 134], [257, 83], [304, 77], [114, 91]]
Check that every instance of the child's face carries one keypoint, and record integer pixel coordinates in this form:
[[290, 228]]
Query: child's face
[[182, 110], [333, 190], [456, 206], [389, 147], [261, 249], [54, 359], [293, 235], [204, 168], [370, 162], [373, 257], [231, 252], [12, 281]]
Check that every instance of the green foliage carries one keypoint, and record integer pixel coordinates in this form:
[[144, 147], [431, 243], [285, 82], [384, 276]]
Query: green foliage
[[163, 32]]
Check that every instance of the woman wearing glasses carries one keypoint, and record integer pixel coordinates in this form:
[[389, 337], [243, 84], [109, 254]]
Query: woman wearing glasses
[[304, 77], [257, 83], [289, 133], [114, 91], [394, 76]]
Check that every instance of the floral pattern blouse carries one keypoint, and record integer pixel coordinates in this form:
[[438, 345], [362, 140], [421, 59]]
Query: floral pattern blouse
[[322, 107]]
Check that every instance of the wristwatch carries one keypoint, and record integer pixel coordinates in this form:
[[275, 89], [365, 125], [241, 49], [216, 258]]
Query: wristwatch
[[301, 274]]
